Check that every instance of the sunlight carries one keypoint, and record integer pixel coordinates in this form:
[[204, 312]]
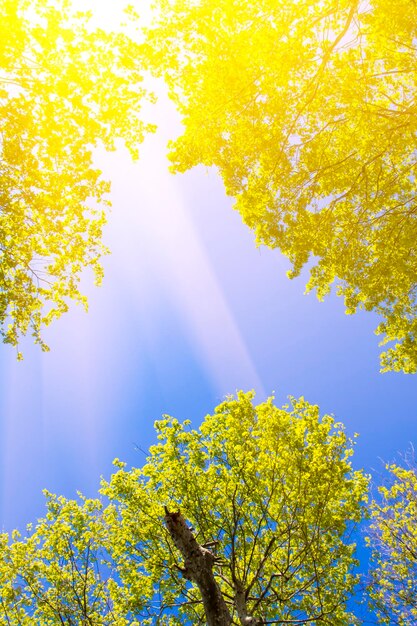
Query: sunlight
[[109, 13], [151, 227]]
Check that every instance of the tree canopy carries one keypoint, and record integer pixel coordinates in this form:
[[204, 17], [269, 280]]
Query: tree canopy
[[308, 110], [66, 87], [393, 540], [246, 520]]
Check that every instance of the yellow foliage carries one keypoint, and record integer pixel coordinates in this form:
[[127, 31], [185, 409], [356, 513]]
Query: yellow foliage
[[308, 110], [393, 540], [65, 88]]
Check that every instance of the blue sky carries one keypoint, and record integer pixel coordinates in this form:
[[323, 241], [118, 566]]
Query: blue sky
[[189, 311]]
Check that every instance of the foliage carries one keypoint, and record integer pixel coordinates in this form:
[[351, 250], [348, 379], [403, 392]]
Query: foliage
[[268, 491], [393, 539], [56, 576], [66, 87], [308, 110]]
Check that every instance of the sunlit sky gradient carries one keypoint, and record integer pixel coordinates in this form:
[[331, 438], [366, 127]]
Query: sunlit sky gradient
[[189, 311]]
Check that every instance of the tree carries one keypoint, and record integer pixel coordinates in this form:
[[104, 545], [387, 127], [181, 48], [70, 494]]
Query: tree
[[66, 87], [393, 540], [246, 520], [308, 111]]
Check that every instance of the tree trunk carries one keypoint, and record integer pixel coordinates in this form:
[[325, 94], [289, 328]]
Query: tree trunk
[[241, 609], [198, 568]]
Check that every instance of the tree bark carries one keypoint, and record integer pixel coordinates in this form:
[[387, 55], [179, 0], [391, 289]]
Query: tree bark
[[198, 568], [241, 609]]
